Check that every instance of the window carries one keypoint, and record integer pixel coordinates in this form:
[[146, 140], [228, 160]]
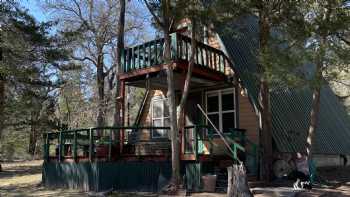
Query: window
[[160, 117], [221, 108]]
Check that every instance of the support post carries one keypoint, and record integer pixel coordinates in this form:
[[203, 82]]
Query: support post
[[47, 147], [91, 143], [121, 131], [110, 145], [195, 133], [60, 147], [75, 141]]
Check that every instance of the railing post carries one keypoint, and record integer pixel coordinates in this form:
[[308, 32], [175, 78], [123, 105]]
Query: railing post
[[75, 141], [110, 146], [133, 58], [144, 65], [122, 61], [91, 143], [173, 46], [46, 147], [138, 57], [149, 54], [60, 146], [155, 52], [195, 142]]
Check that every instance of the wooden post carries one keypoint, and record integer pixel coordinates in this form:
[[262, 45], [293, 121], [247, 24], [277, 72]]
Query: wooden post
[[121, 131], [237, 182], [195, 133], [149, 54], [91, 143], [47, 147], [110, 146], [75, 141], [60, 147]]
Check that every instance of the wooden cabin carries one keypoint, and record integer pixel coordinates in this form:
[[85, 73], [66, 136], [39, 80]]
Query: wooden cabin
[[224, 84]]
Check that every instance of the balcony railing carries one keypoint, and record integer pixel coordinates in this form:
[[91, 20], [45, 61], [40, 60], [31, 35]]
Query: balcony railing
[[151, 54]]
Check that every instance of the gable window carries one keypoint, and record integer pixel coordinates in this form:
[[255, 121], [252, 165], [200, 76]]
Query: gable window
[[221, 108], [160, 117]]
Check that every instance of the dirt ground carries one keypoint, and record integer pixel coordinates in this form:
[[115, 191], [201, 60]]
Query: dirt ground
[[24, 179]]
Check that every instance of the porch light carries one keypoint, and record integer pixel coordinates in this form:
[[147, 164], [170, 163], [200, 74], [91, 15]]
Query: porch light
[[243, 92]]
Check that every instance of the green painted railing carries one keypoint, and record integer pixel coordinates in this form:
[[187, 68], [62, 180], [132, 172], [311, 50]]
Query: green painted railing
[[151, 54], [88, 141], [204, 133]]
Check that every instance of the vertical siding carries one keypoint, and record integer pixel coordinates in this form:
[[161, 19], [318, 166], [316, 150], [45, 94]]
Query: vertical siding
[[248, 118]]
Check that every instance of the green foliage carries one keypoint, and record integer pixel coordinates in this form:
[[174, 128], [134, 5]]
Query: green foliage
[[31, 59], [327, 32]]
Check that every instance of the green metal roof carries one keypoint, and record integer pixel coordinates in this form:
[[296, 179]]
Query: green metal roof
[[290, 107]]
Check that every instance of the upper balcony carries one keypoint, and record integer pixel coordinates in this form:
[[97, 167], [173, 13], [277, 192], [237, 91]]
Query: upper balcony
[[146, 61]]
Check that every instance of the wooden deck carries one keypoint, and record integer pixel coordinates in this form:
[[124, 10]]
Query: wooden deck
[[146, 60]]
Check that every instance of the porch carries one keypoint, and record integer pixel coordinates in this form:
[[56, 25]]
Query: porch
[[123, 143], [145, 62]]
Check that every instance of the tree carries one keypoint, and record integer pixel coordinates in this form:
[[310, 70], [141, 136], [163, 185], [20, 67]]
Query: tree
[[327, 26], [31, 57], [118, 65], [89, 26]]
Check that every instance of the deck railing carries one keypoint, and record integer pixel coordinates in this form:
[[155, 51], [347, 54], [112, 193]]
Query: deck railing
[[92, 143], [151, 54]]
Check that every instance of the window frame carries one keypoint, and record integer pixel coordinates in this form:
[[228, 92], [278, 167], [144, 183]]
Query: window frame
[[219, 93], [162, 118]]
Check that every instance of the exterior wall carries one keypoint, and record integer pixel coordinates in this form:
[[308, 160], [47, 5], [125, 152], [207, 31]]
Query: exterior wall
[[145, 144], [247, 118]]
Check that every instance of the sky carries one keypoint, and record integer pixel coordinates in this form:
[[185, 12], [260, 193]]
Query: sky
[[35, 9]]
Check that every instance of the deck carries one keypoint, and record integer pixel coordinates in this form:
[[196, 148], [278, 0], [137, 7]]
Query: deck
[[146, 61], [123, 143]]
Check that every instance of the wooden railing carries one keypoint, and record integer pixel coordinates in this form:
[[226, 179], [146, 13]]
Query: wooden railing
[[93, 143], [205, 134], [151, 54]]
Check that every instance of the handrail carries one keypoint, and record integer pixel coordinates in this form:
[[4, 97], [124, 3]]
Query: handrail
[[150, 54], [235, 144]]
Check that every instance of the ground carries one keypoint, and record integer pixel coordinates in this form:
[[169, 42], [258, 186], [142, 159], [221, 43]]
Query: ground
[[24, 179]]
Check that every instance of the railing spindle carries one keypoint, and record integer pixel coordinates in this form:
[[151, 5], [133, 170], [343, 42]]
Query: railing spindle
[[91, 143], [110, 146], [60, 146], [155, 52], [149, 56], [75, 141], [144, 56]]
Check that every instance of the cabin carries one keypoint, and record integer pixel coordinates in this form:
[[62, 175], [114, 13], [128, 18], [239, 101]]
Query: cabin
[[138, 157]]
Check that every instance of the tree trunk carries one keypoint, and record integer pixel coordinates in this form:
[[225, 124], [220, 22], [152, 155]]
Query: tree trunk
[[174, 132], [264, 104], [315, 107], [101, 94], [118, 69], [33, 134], [237, 182], [2, 104], [187, 82], [313, 120]]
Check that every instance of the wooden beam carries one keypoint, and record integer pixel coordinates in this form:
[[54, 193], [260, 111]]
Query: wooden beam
[[198, 71]]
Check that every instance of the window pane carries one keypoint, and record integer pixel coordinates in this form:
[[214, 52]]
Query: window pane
[[227, 102], [166, 122], [166, 108], [213, 103], [158, 132], [157, 109], [157, 123], [214, 119], [228, 121]]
